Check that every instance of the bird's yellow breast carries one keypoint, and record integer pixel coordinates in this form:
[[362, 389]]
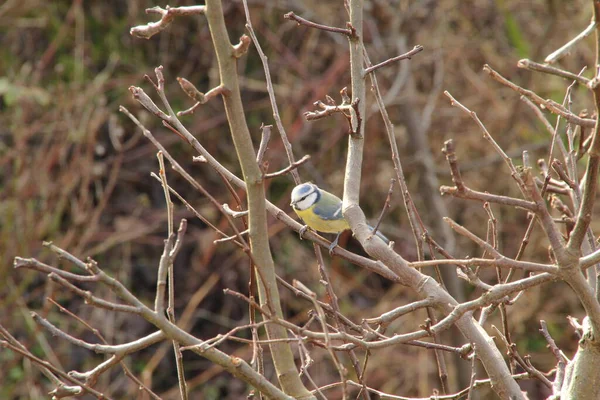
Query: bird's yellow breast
[[322, 225]]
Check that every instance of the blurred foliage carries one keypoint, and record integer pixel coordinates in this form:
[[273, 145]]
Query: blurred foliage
[[76, 172]]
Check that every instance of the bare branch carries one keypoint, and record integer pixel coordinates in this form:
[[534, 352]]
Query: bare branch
[[121, 349], [408, 55], [289, 168], [548, 69], [263, 58], [90, 298], [489, 138], [242, 47], [471, 194], [301, 21], [550, 105], [233, 213], [264, 144], [566, 49], [386, 206], [195, 94], [167, 14], [47, 365], [33, 264]]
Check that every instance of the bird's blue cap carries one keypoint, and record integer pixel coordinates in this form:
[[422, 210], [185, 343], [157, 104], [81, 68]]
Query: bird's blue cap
[[302, 190]]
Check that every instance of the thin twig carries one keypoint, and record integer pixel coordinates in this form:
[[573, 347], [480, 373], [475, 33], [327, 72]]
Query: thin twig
[[97, 333], [417, 49], [201, 98], [386, 206], [333, 301], [47, 365], [524, 363], [566, 49], [269, 82], [561, 359], [339, 367], [548, 69], [289, 168], [301, 21], [489, 138], [172, 251], [549, 104]]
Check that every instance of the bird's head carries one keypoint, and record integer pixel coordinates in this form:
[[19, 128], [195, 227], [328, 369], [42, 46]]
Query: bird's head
[[304, 196]]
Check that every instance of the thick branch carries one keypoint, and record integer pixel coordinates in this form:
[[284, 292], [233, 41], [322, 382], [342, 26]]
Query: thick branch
[[425, 286], [283, 357]]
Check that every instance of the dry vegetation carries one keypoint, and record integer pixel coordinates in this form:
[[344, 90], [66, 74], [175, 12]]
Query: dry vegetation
[[76, 172]]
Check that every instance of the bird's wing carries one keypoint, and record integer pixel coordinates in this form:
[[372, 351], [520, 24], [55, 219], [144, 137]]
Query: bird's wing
[[329, 207]]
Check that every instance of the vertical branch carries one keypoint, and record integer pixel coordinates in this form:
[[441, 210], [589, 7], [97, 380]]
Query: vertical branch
[[281, 351], [183, 389], [584, 216], [355, 144], [333, 301], [295, 175], [413, 217], [327, 336], [502, 381], [263, 58]]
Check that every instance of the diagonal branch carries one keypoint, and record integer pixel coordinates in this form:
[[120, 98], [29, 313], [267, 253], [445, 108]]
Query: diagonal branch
[[417, 49]]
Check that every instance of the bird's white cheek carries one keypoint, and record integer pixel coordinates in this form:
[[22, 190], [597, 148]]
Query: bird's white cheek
[[303, 205], [307, 202]]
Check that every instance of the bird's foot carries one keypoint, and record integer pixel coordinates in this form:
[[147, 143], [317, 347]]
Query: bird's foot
[[334, 244], [302, 231]]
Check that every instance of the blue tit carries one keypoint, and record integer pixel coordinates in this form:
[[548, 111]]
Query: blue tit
[[320, 210]]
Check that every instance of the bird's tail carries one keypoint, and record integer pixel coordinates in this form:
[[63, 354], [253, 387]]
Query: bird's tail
[[381, 235]]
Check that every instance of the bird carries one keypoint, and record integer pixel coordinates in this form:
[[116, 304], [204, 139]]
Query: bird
[[321, 211]]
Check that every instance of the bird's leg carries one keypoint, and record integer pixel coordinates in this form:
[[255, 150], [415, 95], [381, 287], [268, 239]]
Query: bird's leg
[[334, 243], [302, 230]]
